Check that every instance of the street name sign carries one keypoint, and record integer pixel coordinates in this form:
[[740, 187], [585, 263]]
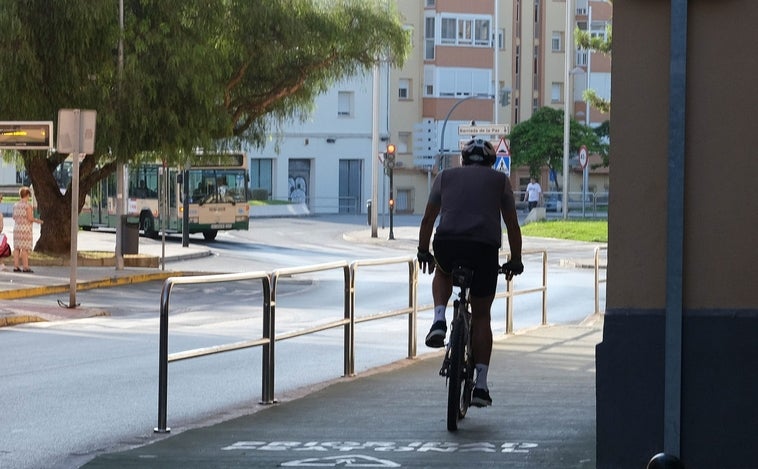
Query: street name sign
[[492, 129]]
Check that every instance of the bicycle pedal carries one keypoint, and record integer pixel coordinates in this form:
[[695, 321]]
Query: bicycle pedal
[[445, 366]]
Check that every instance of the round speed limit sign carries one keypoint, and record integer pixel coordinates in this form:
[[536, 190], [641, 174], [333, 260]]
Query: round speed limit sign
[[583, 156]]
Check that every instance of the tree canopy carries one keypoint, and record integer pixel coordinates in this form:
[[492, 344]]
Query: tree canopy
[[538, 142], [195, 73]]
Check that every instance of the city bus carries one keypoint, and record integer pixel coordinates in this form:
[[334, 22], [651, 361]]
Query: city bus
[[218, 197]]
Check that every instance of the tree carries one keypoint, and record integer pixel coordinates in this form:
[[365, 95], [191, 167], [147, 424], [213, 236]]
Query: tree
[[584, 40], [196, 73], [539, 141]]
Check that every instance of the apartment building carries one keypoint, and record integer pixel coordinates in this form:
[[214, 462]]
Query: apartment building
[[468, 58]]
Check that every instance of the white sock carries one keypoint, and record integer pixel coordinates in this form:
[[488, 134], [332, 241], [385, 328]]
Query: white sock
[[439, 313], [481, 376]]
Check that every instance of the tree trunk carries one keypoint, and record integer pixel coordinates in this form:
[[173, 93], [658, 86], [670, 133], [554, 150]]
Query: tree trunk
[[54, 207]]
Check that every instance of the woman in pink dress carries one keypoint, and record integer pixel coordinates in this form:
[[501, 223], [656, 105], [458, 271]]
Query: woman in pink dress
[[23, 217]]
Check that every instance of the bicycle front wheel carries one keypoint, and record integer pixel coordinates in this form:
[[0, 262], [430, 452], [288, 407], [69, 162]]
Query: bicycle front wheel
[[455, 375]]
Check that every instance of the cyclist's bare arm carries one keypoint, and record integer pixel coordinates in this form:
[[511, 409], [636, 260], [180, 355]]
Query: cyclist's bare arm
[[510, 217], [427, 226], [426, 261]]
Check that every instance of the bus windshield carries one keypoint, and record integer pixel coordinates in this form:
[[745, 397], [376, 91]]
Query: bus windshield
[[217, 185]]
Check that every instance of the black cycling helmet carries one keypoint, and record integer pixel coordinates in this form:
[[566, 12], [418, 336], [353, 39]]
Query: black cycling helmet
[[478, 151]]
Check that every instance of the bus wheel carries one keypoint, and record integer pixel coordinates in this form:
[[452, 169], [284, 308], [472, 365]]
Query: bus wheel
[[210, 235], [147, 225]]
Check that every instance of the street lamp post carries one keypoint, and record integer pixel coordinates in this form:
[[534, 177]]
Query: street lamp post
[[447, 117], [585, 169], [569, 46]]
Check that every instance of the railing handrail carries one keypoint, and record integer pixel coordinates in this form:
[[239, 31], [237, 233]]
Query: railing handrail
[[510, 293]]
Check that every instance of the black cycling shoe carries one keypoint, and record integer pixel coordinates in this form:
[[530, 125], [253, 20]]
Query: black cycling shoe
[[481, 398], [436, 336]]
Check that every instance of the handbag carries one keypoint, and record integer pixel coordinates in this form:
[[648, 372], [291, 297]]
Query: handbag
[[5, 249]]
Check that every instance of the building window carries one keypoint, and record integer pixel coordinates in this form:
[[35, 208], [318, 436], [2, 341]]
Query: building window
[[429, 80], [557, 41], [599, 29], [430, 3], [447, 31], [404, 142], [482, 35], [581, 57], [466, 30], [429, 38], [345, 103], [262, 175], [556, 92], [404, 89], [411, 33], [404, 200], [461, 82], [517, 61], [501, 39]]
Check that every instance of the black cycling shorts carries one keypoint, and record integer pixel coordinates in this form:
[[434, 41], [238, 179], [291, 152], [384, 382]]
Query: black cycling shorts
[[482, 258]]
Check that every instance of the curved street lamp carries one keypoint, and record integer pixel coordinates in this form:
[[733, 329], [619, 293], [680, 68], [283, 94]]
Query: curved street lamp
[[441, 151]]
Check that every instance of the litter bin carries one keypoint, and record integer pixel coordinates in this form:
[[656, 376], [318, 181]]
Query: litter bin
[[129, 236], [368, 210]]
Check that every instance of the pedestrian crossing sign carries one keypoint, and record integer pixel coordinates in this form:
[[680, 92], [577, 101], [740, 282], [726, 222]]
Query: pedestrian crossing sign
[[503, 164]]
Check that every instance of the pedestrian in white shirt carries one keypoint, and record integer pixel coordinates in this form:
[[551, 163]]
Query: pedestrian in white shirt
[[533, 193]]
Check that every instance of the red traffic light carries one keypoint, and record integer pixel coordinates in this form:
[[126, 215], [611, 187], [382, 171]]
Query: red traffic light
[[391, 148]]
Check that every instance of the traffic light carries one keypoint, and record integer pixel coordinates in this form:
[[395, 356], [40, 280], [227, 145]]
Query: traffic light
[[389, 155], [392, 204]]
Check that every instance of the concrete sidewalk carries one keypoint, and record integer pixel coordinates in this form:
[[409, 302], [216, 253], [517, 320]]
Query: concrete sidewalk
[[542, 382]]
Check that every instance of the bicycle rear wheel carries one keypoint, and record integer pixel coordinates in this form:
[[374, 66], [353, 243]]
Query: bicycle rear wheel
[[457, 386]]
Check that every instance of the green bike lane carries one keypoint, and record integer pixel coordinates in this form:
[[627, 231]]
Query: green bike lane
[[542, 382]]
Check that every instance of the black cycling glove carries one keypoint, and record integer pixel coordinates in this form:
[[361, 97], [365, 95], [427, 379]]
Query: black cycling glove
[[426, 261], [512, 267]]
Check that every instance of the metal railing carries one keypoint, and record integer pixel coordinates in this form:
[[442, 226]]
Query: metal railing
[[268, 391], [410, 310], [269, 337], [163, 356], [510, 292], [599, 280]]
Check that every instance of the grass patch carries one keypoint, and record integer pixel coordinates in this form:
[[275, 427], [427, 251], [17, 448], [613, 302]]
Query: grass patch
[[594, 231], [257, 203]]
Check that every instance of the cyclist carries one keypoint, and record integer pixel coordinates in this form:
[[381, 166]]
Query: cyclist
[[470, 201]]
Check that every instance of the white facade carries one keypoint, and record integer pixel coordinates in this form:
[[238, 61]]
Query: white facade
[[326, 160]]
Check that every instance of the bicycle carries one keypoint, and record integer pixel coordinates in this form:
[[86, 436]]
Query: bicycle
[[458, 364]]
